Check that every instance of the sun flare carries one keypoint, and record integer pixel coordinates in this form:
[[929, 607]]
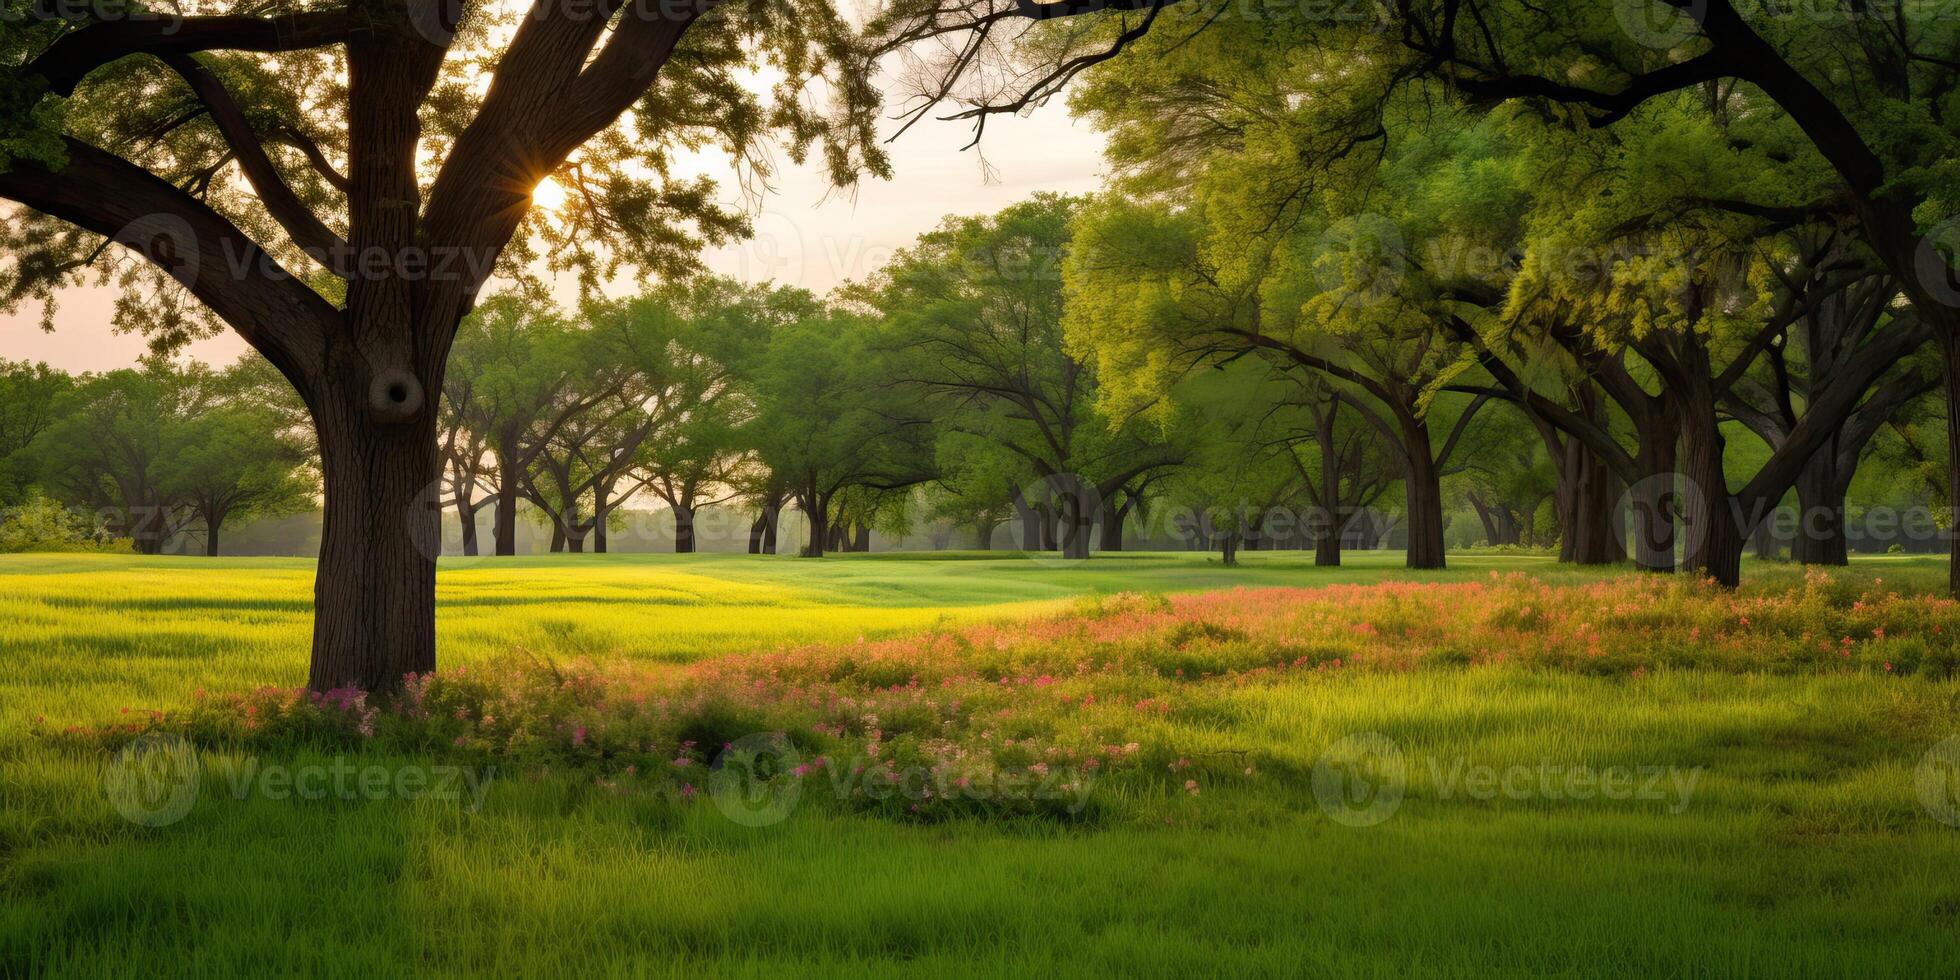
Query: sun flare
[[548, 195]]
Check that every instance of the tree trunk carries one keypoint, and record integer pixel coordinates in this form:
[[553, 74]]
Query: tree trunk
[[813, 514], [374, 592], [149, 528], [1652, 501], [683, 529], [1228, 548], [762, 533], [861, 538], [1763, 539], [1033, 535], [1075, 522], [1112, 526], [504, 527], [1714, 539], [1484, 517], [1423, 488], [1326, 519], [1327, 540], [1820, 536], [211, 526], [1592, 532], [466, 514], [601, 508]]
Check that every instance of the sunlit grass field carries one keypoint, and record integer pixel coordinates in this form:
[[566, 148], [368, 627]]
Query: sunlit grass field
[[1802, 850]]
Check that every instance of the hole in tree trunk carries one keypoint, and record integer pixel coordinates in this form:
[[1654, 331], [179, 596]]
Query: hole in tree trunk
[[394, 396]]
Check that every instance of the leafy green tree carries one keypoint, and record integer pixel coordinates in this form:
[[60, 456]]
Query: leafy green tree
[[979, 482], [973, 313], [37, 523], [828, 426], [112, 451], [1240, 477], [337, 184], [233, 462], [31, 396], [698, 399], [514, 366]]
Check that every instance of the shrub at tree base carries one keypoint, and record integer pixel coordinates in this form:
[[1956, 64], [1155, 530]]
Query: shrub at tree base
[[1054, 704]]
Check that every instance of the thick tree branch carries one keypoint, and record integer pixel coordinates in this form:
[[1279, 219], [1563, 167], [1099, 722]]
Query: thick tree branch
[[74, 55], [1610, 106], [222, 266]]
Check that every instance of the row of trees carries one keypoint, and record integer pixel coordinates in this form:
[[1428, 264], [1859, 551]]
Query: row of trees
[[1066, 365], [1776, 181], [942, 390], [156, 452], [1620, 240]]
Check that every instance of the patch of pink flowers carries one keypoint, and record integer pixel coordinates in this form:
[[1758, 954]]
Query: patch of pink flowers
[[1081, 693]]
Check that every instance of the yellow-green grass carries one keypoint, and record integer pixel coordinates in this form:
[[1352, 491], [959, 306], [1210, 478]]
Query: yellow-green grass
[[82, 635], [1803, 850]]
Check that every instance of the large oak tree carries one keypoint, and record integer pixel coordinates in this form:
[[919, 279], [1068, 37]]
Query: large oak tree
[[336, 182]]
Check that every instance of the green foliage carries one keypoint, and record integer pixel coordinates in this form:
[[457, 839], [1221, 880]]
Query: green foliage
[[634, 202], [37, 523], [973, 317], [166, 450]]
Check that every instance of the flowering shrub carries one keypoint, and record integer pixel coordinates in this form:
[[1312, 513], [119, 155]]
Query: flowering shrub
[[1047, 707]]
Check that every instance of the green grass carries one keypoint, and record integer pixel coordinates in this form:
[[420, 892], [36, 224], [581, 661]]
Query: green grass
[[1802, 849]]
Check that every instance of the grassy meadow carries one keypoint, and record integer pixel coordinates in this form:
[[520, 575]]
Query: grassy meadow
[[1772, 824]]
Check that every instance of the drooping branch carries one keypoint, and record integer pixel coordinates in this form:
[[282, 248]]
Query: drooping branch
[[981, 24], [1058, 77]]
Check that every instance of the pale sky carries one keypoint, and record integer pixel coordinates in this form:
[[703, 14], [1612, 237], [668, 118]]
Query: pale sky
[[801, 238]]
